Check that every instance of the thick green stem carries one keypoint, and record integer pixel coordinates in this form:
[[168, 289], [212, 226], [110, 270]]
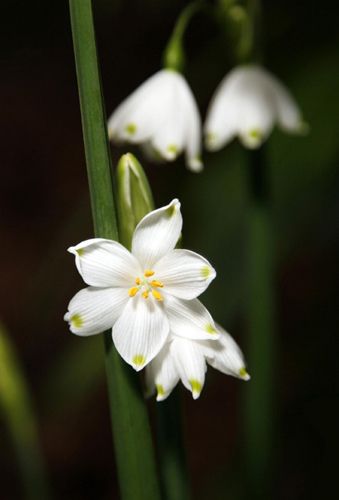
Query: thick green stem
[[17, 409], [132, 437], [172, 457], [259, 404]]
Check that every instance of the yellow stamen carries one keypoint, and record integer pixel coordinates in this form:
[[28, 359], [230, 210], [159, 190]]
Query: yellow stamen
[[157, 295], [133, 291], [145, 294], [157, 283], [148, 273], [137, 281]]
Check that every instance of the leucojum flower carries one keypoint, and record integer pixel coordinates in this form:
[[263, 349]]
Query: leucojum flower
[[148, 297], [163, 116], [248, 102]]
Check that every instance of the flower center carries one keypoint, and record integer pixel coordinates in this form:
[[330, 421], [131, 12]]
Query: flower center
[[147, 286]]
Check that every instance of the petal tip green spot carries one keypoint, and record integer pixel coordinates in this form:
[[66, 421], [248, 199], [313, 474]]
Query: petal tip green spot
[[196, 387], [206, 272], [255, 134], [131, 128], [243, 373], [160, 390], [210, 329], [172, 148], [171, 210], [139, 360], [76, 321], [80, 251]]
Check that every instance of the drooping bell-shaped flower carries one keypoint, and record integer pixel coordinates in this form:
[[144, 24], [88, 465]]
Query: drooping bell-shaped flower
[[163, 116], [145, 293], [248, 102], [186, 360]]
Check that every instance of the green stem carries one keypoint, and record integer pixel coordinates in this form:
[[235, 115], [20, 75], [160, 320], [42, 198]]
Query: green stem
[[259, 403], [174, 54], [17, 408], [172, 457], [132, 437]]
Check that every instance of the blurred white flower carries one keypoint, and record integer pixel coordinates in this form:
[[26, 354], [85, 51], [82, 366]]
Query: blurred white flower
[[248, 102], [145, 293], [163, 116], [187, 360]]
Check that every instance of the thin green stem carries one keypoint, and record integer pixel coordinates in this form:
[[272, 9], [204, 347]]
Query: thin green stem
[[17, 409], [132, 437], [174, 54]]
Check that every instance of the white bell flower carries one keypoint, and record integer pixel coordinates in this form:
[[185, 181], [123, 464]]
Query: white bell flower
[[248, 102], [187, 360], [163, 116], [144, 293]]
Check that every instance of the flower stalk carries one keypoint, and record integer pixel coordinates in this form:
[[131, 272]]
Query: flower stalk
[[174, 54], [130, 425], [17, 408]]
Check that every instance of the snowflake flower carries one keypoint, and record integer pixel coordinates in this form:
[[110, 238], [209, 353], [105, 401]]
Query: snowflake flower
[[145, 293], [187, 360], [162, 115], [247, 103]]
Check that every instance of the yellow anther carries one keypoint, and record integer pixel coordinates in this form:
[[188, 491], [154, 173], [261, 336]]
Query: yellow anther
[[148, 273], [137, 281], [157, 295], [145, 294], [133, 291], [157, 283]]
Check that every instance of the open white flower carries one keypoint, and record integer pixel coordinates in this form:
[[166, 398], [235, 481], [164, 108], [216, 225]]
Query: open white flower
[[247, 103], [162, 115], [187, 360], [144, 293]]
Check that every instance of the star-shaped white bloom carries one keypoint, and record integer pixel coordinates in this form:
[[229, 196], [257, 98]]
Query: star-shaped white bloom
[[144, 293], [247, 103], [187, 359], [162, 115]]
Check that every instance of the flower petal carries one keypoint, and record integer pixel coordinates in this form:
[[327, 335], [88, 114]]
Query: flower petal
[[190, 363], [185, 274], [288, 113], [94, 310], [157, 234], [190, 319], [140, 332], [105, 263], [225, 355], [141, 113], [162, 373]]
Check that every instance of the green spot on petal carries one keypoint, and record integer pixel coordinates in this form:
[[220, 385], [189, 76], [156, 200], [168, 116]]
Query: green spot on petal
[[210, 329], [171, 210], [80, 251], [205, 271], [172, 148], [160, 390], [139, 360], [131, 128], [243, 373], [255, 134], [196, 386], [76, 321]]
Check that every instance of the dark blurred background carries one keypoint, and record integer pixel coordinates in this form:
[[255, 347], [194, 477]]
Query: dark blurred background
[[45, 208]]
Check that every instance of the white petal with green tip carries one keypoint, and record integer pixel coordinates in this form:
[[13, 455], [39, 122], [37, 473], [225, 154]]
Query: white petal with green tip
[[185, 274], [140, 332], [105, 263], [94, 310]]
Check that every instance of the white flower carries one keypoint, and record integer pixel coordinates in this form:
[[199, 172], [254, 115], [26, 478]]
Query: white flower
[[187, 360], [144, 293], [162, 115], [247, 103]]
